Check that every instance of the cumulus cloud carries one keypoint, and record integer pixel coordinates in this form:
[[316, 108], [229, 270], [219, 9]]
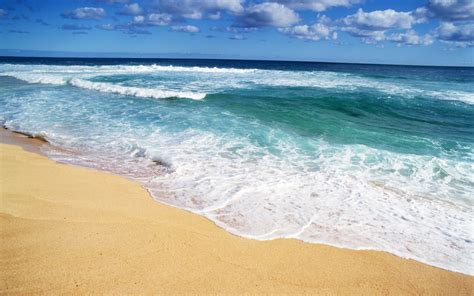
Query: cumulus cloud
[[267, 14], [450, 10], [152, 19], [316, 5], [410, 37], [461, 35], [71, 27], [87, 13], [372, 26], [131, 9], [185, 29], [319, 30], [196, 9], [380, 20]]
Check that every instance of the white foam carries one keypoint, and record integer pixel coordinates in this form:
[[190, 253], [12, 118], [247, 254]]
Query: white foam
[[121, 69], [213, 79], [135, 91], [158, 68], [37, 78], [348, 196], [330, 198]]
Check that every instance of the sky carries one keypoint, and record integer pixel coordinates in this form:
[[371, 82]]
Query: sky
[[421, 32]]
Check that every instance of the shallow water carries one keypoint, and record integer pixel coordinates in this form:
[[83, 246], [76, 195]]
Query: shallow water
[[359, 156]]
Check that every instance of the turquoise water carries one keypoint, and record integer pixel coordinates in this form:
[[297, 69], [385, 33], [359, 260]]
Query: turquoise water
[[358, 156]]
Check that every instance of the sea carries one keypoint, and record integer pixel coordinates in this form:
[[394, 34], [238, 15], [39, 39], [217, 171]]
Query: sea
[[372, 157]]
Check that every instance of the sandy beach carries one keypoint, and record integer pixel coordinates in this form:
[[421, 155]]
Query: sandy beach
[[72, 230]]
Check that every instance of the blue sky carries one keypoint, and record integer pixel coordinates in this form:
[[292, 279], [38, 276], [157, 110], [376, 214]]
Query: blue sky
[[432, 32]]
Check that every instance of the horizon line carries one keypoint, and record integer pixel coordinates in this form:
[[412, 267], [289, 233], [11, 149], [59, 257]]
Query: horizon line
[[182, 56]]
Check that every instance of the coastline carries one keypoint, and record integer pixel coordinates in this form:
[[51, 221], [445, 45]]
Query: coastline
[[101, 233]]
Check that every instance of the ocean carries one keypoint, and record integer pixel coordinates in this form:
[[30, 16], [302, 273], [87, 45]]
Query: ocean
[[357, 156]]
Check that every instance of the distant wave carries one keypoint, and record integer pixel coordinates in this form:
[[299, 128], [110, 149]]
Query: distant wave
[[157, 68], [125, 68]]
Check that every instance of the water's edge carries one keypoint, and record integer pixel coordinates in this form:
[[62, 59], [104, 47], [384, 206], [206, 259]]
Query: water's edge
[[40, 146]]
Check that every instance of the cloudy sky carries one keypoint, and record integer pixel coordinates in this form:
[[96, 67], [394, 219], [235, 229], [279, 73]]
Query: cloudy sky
[[375, 31]]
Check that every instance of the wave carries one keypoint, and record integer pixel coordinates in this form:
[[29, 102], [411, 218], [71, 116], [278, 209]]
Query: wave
[[159, 68], [123, 69], [106, 87], [42, 78], [349, 82], [135, 91]]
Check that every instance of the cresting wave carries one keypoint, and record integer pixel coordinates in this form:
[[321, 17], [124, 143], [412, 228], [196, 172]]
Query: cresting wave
[[122, 68], [135, 91], [106, 87]]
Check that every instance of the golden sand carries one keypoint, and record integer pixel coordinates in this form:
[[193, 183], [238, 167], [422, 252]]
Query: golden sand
[[71, 230]]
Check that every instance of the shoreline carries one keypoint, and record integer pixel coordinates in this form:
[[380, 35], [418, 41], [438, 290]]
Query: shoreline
[[103, 233]]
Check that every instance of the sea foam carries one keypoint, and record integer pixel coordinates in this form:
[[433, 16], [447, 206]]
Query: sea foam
[[215, 79]]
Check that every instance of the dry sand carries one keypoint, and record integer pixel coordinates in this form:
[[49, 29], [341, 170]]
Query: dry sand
[[71, 230]]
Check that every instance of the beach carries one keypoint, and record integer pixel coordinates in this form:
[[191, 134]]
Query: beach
[[72, 230], [373, 157]]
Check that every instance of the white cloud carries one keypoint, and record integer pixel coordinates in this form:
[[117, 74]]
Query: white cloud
[[461, 35], [159, 19], [319, 30], [316, 5], [410, 37], [237, 37], [372, 27], [185, 29], [380, 20], [451, 10], [195, 9], [267, 14], [367, 36], [152, 19], [89, 13], [131, 9]]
